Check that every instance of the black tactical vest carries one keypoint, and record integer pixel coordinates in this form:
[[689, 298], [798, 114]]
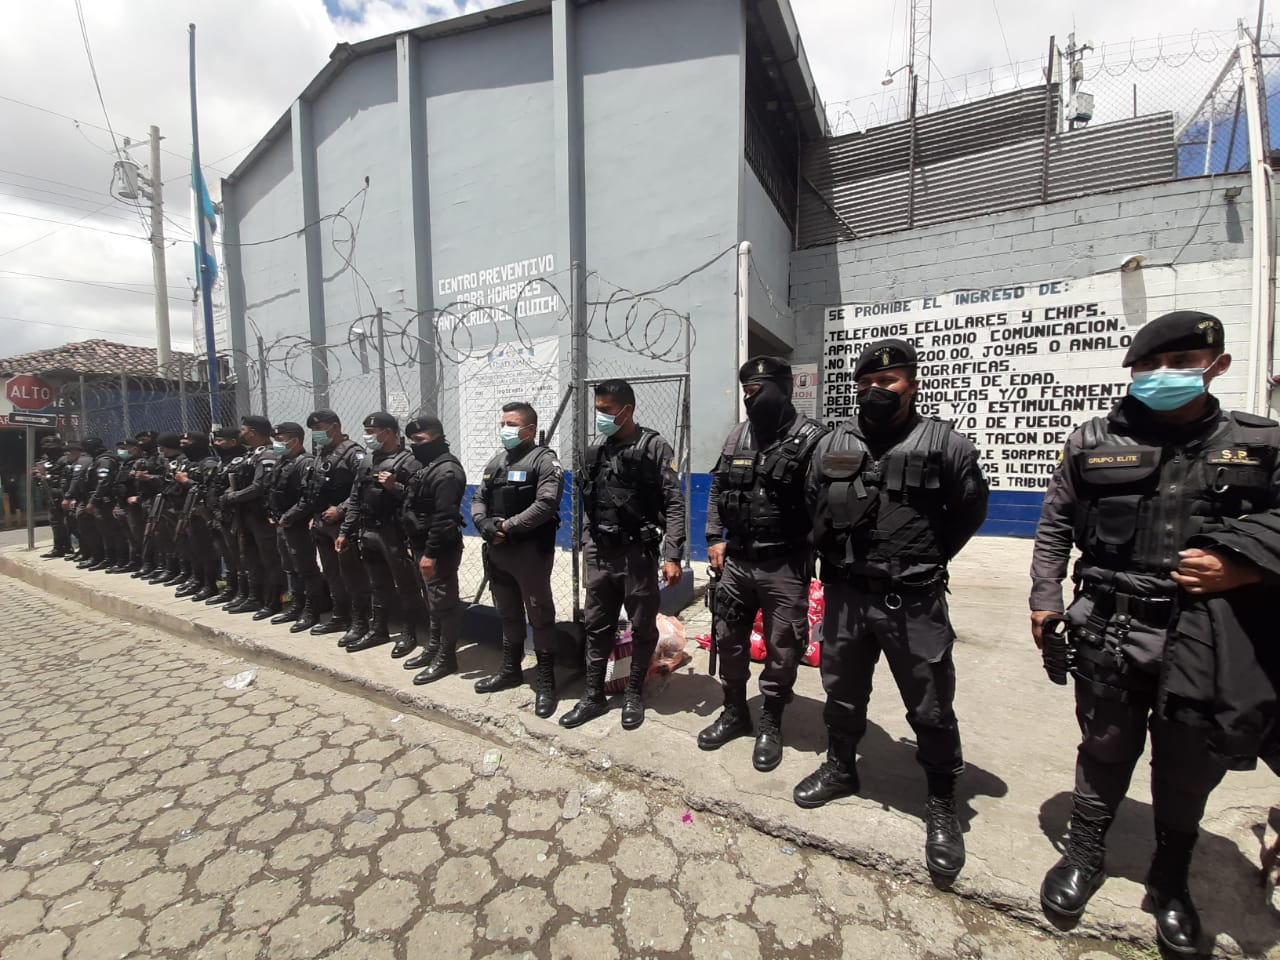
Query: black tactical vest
[[419, 507], [376, 506], [511, 488], [329, 482], [622, 493], [884, 514], [1139, 504], [762, 491]]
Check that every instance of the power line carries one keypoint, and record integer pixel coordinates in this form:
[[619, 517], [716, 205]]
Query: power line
[[147, 341], [77, 223], [58, 229], [1007, 52], [93, 283], [59, 203], [96, 283], [61, 183]]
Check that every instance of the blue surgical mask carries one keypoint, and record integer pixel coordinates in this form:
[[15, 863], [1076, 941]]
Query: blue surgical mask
[[122, 454], [606, 425], [510, 436], [319, 438], [372, 442], [1166, 389], [280, 448]]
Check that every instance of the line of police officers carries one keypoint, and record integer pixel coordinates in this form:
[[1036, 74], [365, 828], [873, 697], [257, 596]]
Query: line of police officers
[[884, 500]]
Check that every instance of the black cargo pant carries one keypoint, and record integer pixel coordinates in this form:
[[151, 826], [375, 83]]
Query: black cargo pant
[[261, 558], [619, 574], [227, 543], [90, 535], [520, 579], [135, 519], [301, 550], [914, 632], [1114, 735], [779, 588], [441, 591], [392, 573], [115, 543], [58, 527], [201, 539], [344, 572]]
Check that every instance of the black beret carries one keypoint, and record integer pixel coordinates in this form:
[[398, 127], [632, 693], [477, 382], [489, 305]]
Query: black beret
[[322, 416], [288, 429], [884, 355], [145, 434], [54, 441], [1180, 330], [227, 433], [764, 369], [171, 440], [382, 421], [126, 443], [93, 445], [257, 424], [75, 445], [424, 424]]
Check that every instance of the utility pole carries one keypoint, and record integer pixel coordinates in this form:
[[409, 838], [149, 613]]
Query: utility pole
[[157, 253]]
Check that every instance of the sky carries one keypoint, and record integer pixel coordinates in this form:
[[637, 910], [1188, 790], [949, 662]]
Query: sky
[[74, 261]]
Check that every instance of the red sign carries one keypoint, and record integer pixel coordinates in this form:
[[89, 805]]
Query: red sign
[[26, 392]]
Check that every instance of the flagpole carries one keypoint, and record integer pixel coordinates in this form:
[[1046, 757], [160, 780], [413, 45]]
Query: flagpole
[[210, 344]]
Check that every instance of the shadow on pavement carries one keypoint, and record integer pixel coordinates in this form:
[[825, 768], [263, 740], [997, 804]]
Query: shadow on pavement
[[1227, 885]]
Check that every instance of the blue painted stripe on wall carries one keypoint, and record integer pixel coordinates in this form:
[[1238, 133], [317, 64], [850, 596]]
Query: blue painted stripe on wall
[[1009, 514]]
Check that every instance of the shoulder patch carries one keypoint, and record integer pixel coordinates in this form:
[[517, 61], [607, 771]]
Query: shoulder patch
[[1252, 419]]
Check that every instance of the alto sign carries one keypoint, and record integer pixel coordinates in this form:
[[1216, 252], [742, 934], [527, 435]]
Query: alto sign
[[26, 392]]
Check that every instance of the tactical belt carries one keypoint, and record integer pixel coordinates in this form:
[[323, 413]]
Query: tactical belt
[[767, 551], [1107, 600], [888, 585]]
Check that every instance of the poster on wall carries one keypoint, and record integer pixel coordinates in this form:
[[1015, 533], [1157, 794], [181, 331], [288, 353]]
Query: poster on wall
[[804, 395], [511, 371], [1017, 368]]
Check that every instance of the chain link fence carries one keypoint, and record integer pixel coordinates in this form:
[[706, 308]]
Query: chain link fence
[[115, 406]]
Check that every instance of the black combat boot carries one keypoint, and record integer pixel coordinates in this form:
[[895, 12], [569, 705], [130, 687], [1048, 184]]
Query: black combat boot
[[308, 616], [249, 601], [378, 632], [158, 573], [734, 720], [944, 837], [144, 570], [229, 593], [836, 778], [444, 660], [189, 587], [408, 639], [359, 622], [339, 622], [177, 574], [509, 674], [1177, 922], [297, 603], [768, 751], [208, 591], [428, 651], [1077, 876], [545, 697], [633, 698], [272, 604], [53, 554], [593, 704]]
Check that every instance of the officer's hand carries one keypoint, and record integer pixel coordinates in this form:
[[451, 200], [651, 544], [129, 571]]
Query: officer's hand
[[428, 567], [715, 555], [1038, 617], [66, 504], [387, 479], [671, 574], [1202, 572], [340, 544], [133, 499], [331, 515], [118, 513], [271, 521], [88, 508], [181, 476]]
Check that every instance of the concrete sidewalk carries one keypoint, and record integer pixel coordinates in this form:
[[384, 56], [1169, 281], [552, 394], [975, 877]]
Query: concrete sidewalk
[[1019, 733]]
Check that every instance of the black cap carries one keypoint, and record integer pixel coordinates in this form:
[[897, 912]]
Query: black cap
[[382, 421], [75, 444], [54, 441], [764, 369], [322, 416], [1180, 330], [171, 440], [424, 424], [257, 424], [288, 429], [145, 434], [884, 355], [226, 433]]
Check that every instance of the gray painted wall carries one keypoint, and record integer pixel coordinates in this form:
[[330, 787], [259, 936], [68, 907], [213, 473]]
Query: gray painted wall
[[771, 248]]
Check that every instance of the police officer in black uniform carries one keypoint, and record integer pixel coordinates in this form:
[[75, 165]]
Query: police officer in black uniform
[[338, 461], [129, 556], [95, 501], [433, 522], [1167, 463], [172, 556], [253, 482], [291, 518], [192, 530], [634, 511], [79, 470], [146, 477], [516, 509], [372, 523], [758, 542], [229, 448], [894, 496], [52, 471]]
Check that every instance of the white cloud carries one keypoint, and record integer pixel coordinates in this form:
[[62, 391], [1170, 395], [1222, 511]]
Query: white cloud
[[254, 58]]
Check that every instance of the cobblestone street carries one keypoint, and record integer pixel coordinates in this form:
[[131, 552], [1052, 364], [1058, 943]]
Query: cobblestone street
[[147, 810]]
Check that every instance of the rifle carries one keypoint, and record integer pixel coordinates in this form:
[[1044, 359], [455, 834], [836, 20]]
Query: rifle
[[184, 516], [153, 520], [713, 653]]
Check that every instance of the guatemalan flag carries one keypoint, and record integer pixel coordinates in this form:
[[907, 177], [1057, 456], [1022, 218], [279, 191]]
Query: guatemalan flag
[[205, 221]]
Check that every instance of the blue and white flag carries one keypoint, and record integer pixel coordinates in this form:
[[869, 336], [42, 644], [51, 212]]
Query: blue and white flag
[[205, 221]]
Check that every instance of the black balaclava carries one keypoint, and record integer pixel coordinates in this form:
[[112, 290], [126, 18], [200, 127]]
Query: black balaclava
[[424, 453], [769, 409], [196, 447]]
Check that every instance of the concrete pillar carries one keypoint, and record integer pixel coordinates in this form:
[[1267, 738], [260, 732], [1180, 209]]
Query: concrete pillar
[[311, 267], [235, 303], [415, 196]]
